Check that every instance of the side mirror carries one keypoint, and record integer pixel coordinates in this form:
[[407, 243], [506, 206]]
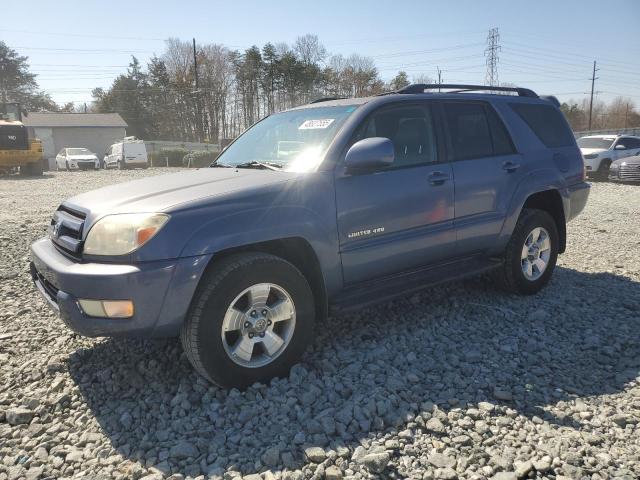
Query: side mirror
[[369, 154], [620, 147]]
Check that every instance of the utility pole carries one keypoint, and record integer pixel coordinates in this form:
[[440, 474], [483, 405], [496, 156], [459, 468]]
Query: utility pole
[[626, 116], [195, 63], [196, 93], [491, 52], [593, 81], [439, 77]]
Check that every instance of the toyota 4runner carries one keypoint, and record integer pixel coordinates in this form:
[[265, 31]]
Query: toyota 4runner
[[329, 206]]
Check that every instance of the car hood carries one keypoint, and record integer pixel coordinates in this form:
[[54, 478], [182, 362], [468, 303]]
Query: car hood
[[587, 151], [632, 160], [81, 157], [164, 193]]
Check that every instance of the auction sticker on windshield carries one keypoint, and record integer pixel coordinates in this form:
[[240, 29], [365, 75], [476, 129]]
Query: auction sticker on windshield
[[319, 123]]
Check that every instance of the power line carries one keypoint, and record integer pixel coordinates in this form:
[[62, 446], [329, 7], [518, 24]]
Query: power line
[[491, 52]]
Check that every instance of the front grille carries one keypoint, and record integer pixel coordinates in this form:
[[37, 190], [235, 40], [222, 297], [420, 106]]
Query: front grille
[[629, 172], [66, 230], [90, 165]]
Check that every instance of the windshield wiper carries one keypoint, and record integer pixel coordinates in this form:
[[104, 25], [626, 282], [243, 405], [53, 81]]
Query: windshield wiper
[[256, 164], [219, 165]]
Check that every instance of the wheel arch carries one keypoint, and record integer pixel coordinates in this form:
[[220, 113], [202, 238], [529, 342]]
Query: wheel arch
[[297, 251], [551, 202]]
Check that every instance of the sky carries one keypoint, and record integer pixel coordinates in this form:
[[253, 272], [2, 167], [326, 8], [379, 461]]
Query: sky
[[548, 46]]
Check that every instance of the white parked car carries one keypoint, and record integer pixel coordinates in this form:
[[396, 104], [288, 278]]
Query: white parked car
[[77, 159], [599, 151], [129, 153]]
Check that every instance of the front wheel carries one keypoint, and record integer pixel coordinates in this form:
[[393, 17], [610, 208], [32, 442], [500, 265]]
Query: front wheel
[[603, 170], [531, 253], [250, 320]]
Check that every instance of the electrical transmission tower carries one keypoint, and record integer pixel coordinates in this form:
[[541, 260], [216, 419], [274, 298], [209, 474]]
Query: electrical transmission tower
[[491, 52]]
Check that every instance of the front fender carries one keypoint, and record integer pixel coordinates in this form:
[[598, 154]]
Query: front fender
[[245, 227]]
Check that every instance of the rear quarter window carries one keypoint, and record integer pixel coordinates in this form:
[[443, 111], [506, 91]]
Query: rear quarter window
[[546, 122]]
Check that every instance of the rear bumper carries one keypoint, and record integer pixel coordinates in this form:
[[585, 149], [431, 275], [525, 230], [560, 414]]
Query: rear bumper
[[161, 291], [578, 195]]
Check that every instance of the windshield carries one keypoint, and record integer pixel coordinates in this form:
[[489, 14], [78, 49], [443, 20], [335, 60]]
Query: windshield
[[293, 141], [78, 151], [594, 142]]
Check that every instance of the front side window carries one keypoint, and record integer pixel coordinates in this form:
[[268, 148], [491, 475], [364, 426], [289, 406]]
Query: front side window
[[411, 130], [468, 130], [629, 143], [296, 140]]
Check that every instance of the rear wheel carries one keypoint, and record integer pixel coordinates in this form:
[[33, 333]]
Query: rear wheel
[[531, 253], [250, 320], [32, 169]]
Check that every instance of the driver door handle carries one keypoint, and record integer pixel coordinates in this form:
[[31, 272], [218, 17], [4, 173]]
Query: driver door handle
[[510, 166], [438, 178]]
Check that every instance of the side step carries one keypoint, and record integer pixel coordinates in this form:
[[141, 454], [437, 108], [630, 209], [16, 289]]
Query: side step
[[384, 289]]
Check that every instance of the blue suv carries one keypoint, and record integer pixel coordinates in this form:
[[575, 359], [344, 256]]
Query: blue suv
[[325, 207]]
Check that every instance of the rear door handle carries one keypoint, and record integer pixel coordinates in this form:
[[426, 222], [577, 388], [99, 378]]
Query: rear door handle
[[438, 178], [510, 166]]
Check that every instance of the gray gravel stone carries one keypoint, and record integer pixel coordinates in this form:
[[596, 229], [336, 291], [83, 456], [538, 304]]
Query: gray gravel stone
[[183, 449], [18, 416], [333, 473], [409, 383], [375, 462], [315, 454]]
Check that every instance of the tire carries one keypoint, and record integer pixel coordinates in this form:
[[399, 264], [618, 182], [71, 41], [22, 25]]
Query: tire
[[208, 347], [511, 276], [603, 170]]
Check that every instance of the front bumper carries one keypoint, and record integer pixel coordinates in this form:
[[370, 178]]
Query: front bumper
[[90, 165], [161, 291], [625, 173], [578, 195]]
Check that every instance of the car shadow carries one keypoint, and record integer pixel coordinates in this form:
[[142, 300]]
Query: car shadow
[[18, 177], [360, 378]]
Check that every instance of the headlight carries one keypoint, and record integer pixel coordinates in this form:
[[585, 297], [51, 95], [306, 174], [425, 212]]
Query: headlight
[[591, 156], [123, 233]]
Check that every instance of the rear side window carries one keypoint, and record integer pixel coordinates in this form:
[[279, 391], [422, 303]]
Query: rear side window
[[546, 122], [469, 130]]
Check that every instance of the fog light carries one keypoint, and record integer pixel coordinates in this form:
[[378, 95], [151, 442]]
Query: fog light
[[107, 308], [118, 308]]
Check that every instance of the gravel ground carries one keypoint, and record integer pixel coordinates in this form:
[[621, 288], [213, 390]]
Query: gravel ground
[[460, 381]]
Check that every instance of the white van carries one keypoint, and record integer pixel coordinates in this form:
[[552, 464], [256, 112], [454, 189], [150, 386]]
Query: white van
[[129, 153]]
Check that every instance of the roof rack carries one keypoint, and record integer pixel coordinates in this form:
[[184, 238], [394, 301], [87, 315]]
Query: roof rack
[[421, 87], [326, 99]]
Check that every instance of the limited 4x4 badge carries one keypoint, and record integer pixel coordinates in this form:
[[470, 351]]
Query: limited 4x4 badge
[[364, 233]]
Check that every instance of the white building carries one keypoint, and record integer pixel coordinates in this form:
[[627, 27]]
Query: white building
[[95, 131]]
